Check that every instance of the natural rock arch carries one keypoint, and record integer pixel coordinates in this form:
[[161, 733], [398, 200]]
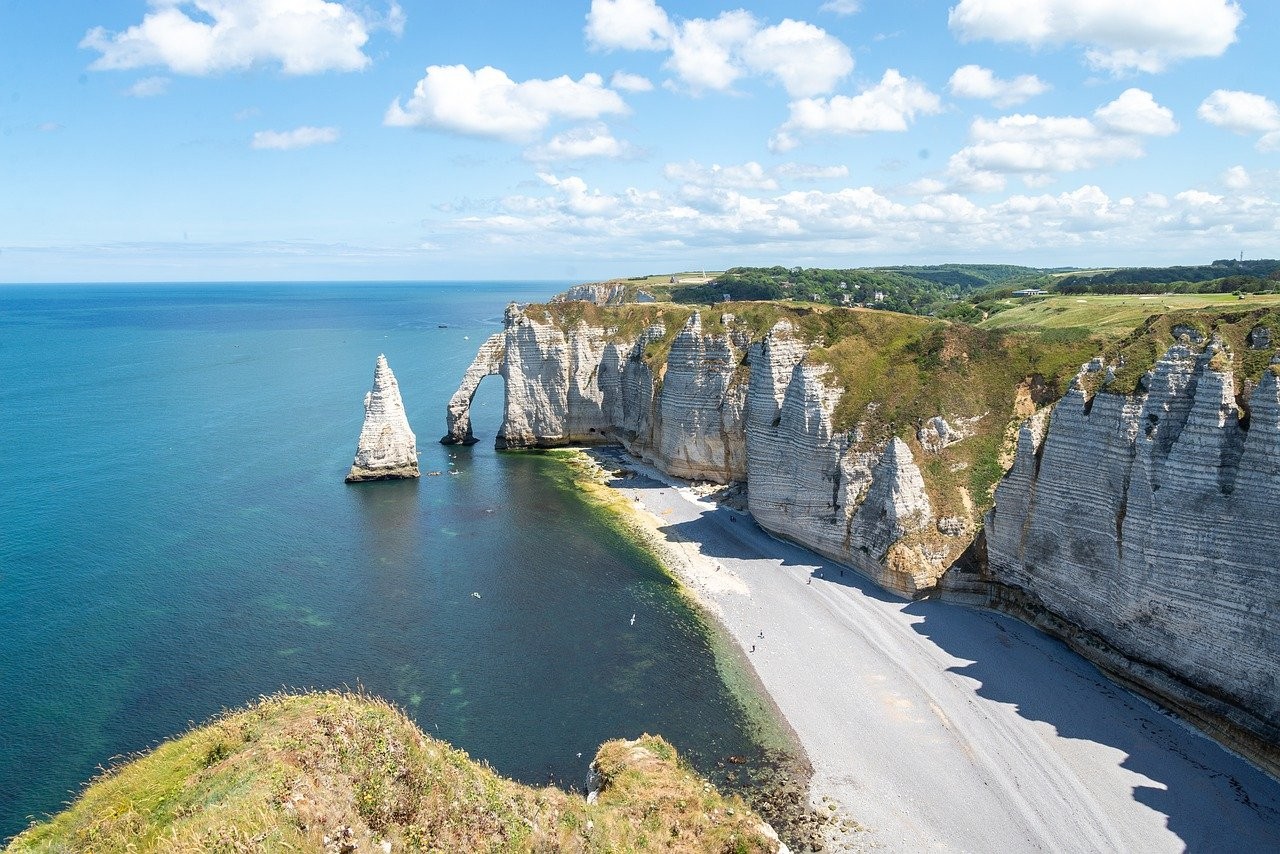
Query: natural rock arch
[[488, 362]]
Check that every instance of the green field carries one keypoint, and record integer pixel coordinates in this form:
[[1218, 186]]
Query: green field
[[1113, 315]]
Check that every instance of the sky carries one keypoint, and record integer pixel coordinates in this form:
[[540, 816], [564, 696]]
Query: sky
[[228, 140]]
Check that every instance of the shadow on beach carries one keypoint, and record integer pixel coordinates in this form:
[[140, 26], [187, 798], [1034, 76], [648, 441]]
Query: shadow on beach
[[1211, 799], [1191, 780]]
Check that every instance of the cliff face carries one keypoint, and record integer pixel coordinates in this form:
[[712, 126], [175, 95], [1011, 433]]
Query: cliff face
[[1142, 527], [1145, 529], [717, 405], [387, 447]]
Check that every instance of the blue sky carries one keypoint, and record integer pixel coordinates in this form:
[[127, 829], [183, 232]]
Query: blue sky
[[173, 140]]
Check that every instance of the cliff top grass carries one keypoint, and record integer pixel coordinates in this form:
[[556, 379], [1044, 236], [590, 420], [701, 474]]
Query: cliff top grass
[[1114, 316], [320, 772], [1137, 352]]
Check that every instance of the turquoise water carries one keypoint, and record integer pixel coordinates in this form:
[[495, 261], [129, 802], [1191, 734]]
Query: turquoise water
[[176, 538]]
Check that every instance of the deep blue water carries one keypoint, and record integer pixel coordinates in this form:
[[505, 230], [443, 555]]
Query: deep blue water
[[176, 538]]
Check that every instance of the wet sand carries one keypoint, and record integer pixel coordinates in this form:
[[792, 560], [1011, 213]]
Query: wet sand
[[936, 727]]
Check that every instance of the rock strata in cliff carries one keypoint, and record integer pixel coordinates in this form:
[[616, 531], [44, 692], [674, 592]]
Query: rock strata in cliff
[[603, 294], [703, 401], [387, 448], [1144, 529]]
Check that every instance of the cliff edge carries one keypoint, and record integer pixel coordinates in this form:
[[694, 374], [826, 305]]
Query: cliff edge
[[341, 773]]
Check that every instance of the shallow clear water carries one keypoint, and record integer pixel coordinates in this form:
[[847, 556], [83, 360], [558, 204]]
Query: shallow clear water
[[176, 538]]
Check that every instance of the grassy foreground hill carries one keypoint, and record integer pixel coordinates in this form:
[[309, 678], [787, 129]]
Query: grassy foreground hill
[[339, 772]]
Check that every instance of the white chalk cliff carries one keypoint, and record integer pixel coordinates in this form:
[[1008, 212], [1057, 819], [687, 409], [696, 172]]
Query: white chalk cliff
[[387, 447], [1143, 529], [722, 408]]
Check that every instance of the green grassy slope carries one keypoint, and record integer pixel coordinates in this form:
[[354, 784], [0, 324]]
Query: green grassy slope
[[322, 772], [1112, 315]]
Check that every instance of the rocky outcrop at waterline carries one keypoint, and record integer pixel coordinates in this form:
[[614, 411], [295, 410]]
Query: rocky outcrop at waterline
[[387, 448], [1140, 520]]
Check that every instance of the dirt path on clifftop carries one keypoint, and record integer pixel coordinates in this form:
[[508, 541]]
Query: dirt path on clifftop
[[940, 728]]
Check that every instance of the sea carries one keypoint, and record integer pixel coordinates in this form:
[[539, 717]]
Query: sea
[[176, 539]]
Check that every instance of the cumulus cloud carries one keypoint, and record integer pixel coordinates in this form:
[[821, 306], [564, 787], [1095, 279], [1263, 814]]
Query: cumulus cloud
[[1136, 112], [704, 53], [1240, 112], [1038, 147], [974, 81], [584, 143], [148, 87], [628, 25], [1198, 198], [630, 82], [488, 103], [712, 54], [200, 37], [1237, 178], [1244, 113], [805, 59], [890, 105], [303, 137], [1118, 36]]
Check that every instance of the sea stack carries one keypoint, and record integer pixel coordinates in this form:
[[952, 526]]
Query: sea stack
[[387, 447]]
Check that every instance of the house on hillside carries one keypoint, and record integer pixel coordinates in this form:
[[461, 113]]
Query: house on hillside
[[1030, 292]]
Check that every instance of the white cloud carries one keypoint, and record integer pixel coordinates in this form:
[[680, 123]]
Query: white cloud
[[573, 218], [805, 59], [489, 103], [49, 127], [841, 7], [711, 54], [890, 105], [704, 52], [1240, 112], [303, 137], [1198, 198], [148, 87], [583, 143], [577, 198], [630, 82], [1244, 113], [1136, 112], [1038, 147], [1119, 35], [628, 25], [200, 37], [1236, 178], [974, 81]]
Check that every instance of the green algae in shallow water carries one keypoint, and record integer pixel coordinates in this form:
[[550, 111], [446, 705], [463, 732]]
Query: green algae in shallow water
[[579, 475]]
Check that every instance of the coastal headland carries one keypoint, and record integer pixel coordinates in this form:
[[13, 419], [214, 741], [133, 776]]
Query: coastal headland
[[1115, 488]]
